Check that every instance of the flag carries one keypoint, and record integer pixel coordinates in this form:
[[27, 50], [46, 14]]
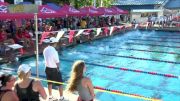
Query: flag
[[98, 31], [79, 32], [59, 35], [44, 35], [111, 30], [106, 31], [71, 35]]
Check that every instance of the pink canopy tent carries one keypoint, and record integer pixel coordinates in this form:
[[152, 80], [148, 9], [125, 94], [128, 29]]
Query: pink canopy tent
[[90, 11], [70, 11], [45, 11], [106, 11], [118, 11], [16, 16]]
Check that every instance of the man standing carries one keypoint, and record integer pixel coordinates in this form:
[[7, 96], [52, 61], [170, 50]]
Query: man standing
[[52, 67]]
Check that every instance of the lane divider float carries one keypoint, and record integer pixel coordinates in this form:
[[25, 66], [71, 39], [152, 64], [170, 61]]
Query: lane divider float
[[162, 37], [153, 45], [130, 70], [132, 57], [153, 40], [132, 49]]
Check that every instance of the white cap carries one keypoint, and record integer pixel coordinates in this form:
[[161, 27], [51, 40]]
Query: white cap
[[24, 67]]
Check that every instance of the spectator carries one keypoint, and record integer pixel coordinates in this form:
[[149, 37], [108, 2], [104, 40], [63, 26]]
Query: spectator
[[6, 84], [23, 36], [83, 23], [134, 21], [28, 89], [4, 38], [78, 82]]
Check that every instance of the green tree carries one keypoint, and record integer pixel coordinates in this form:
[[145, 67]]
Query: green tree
[[76, 3], [82, 3]]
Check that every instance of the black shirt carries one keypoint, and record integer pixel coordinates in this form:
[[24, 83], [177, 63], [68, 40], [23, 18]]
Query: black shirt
[[27, 94]]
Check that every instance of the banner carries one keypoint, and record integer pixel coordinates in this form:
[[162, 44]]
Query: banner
[[87, 32], [106, 31], [111, 30], [59, 35], [17, 1], [44, 35], [71, 35], [31, 8], [98, 31], [38, 2], [79, 32]]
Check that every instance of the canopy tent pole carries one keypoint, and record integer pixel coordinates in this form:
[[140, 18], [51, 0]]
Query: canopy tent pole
[[37, 47]]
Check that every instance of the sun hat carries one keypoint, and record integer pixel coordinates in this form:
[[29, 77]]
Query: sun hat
[[24, 67]]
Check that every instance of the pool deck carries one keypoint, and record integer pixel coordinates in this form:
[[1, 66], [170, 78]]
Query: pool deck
[[68, 96]]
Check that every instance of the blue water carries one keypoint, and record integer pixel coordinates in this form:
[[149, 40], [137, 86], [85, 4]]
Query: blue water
[[109, 52]]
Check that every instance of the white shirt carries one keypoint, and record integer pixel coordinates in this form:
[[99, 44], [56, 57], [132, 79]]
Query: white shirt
[[51, 57]]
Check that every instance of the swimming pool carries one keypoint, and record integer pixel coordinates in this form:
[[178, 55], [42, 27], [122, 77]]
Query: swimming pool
[[148, 51]]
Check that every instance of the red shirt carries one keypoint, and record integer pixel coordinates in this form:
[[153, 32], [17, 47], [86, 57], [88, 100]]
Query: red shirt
[[3, 36]]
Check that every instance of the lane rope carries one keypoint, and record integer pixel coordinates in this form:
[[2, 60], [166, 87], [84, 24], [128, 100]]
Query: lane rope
[[169, 35], [105, 90], [162, 37], [153, 40], [130, 70], [132, 57], [132, 49], [147, 44], [153, 45]]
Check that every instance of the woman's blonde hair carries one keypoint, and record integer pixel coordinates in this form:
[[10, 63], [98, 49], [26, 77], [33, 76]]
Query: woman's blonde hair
[[76, 75], [22, 75]]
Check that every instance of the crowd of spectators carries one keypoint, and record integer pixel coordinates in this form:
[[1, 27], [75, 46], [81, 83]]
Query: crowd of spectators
[[22, 31]]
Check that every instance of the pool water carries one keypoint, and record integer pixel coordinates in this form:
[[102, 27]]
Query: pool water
[[151, 51]]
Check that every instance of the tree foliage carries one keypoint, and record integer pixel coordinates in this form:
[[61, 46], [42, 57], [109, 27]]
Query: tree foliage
[[76, 3]]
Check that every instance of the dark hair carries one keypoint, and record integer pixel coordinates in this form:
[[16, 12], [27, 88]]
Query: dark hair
[[4, 78]]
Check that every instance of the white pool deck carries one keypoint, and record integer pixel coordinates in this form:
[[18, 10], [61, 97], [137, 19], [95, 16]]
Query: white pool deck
[[68, 96]]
